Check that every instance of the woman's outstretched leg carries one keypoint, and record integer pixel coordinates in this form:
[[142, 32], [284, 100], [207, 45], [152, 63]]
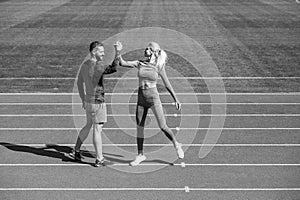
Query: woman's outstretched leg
[[161, 120]]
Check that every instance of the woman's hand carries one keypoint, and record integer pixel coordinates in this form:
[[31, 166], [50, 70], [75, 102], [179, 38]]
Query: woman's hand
[[178, 105]]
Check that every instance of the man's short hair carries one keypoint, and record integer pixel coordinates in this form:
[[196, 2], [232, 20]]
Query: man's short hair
[[95, 44]]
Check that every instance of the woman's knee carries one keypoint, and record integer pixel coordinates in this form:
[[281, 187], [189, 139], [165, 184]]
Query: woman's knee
[[164, 127]]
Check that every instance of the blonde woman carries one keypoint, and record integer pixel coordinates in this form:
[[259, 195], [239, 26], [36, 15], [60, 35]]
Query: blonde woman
[[149, 69]]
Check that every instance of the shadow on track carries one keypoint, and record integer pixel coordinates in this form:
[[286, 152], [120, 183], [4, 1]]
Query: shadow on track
[[61, 152]]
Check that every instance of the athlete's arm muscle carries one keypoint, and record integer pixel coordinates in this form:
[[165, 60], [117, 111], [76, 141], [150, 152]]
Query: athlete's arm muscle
[[80, 85], [112, 68], [129, 64], [167, 83]]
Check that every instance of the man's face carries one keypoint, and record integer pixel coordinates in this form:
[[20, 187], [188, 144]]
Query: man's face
[[99, 52]]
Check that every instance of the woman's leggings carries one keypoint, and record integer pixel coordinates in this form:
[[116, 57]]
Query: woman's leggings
[[141, 114]]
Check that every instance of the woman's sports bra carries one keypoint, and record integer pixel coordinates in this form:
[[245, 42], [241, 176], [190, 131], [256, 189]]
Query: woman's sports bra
[[147, 74]]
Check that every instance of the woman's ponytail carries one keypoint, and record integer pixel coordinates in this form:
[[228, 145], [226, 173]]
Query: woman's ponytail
[[160, 55], [162, 59]]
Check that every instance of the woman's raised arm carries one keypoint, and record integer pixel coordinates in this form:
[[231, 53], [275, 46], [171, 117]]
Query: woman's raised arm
[[130, 64]]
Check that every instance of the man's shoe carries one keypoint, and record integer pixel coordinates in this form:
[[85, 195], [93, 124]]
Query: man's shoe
[[99, 163], [76, 155]]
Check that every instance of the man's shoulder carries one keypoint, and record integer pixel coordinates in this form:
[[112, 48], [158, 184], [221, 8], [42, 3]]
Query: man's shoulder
[[88, 63]]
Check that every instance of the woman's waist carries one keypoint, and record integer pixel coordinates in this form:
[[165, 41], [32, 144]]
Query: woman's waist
[[146, 84]]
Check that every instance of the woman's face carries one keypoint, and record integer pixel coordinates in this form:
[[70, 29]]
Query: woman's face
[[148, 51]]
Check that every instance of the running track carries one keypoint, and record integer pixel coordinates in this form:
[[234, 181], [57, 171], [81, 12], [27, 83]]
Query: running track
[[253, 43], [256, 156]]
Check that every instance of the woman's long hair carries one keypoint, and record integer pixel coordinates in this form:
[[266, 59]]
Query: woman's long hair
[[161, 55]]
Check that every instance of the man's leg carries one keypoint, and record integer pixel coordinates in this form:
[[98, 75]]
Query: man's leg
[[84, 132], [99, 117], [97, 140]]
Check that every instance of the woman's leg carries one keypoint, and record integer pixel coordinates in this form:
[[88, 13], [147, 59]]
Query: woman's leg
[[161, 120], [141, 114], [159, 114]]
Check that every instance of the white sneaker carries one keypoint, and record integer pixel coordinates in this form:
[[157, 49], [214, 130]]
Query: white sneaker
[[138, 160], [180, 152]]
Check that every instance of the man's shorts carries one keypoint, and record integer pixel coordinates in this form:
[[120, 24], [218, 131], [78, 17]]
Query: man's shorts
[[96, 112]]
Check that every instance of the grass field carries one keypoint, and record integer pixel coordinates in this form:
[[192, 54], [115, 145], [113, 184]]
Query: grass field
[[255, 48]]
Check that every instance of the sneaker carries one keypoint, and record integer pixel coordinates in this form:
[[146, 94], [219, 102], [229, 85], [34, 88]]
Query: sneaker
[[76, 155], [180, 152], [99, 163], [138, 160]]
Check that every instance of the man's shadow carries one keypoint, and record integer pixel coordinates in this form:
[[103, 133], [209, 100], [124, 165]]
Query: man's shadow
[[61, 152]]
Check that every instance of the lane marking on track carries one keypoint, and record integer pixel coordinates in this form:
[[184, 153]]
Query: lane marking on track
[[172, 78], [181, 128], [164, 93], [149, 189], [168, 115], [161, 145], [109, 103], [160, 164]]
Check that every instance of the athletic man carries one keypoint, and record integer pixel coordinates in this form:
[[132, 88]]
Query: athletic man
[[92, 97]]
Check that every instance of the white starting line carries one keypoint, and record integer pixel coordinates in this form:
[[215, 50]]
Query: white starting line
[[185, 189]]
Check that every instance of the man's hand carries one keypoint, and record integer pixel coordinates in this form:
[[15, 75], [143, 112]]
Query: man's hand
[[118, 46], [83, 105]]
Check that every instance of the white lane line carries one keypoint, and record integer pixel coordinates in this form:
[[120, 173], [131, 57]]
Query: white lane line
[[161, 164], [149, 189], [164, 145], [172, 78], [69, 129], [180, 94], [115, 103], [168, 115]]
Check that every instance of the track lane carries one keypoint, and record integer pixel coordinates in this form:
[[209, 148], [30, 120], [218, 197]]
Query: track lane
[[267, 136], [165, 154], [129, 122]]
